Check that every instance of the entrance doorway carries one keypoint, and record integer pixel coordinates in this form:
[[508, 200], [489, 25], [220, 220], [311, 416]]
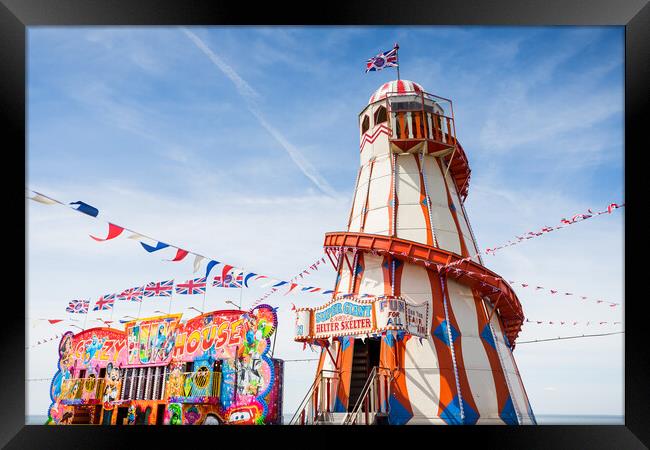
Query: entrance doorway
[[364, 358], [160, 414], [122, 413], [97, 416]]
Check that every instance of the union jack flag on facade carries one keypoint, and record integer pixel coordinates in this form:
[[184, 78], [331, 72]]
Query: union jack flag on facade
[[191, 287], [159, 289], [131, 295], [78, 306], [228, 281], [105, 302], [386, 59]]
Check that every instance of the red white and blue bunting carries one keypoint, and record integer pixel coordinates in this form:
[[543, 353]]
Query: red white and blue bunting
[[152, 245], [581, 217], [232, 276], [572, 322]]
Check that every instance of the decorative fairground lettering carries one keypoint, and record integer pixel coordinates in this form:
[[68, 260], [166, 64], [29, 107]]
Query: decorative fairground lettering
[[343, 318]]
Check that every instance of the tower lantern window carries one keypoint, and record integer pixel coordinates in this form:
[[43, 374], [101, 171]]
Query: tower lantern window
[[365, 124], [380, 115]]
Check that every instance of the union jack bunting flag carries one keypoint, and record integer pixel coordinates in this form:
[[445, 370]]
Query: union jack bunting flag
[[191, 287], [78, 306], [386, 59], [159, 289], [105, 302], [228, 281], [131, 295]]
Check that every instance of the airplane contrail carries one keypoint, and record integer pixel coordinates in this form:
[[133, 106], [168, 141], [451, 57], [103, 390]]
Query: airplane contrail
[[250, 96]]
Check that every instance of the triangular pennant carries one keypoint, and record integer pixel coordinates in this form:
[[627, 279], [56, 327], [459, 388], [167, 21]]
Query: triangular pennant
[[180, 255], [211, 264], [113, 232], [150, 249], [86, 208], [248, 277], [43, 199], [293, 286], [197, 262]]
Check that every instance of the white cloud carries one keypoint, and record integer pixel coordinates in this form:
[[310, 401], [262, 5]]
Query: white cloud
[[251, 96]]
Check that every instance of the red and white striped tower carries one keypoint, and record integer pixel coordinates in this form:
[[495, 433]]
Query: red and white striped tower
[[412, 298]]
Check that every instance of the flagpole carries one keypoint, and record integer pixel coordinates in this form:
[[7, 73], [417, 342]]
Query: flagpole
[[397, 57], [241, 293], [141, 300], [204, 294], [170, 298], [87, 312]]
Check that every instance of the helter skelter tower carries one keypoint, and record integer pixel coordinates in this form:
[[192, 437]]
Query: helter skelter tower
[[417, 330]]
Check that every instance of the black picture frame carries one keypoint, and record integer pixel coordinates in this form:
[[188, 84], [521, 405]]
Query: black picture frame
[[16, 15]]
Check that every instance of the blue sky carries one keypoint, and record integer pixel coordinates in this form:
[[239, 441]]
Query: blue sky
[[241, 143]]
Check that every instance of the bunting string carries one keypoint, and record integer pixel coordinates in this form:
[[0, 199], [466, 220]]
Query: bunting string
[[43, 341], [562, 293], [572, 323], [563, 224], [545, 230], [560, 338], [292, 285], [156, 245], [311, 289]]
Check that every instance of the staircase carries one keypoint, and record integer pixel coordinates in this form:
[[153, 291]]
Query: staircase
[[359, 374], [316, 407], [371, 403]]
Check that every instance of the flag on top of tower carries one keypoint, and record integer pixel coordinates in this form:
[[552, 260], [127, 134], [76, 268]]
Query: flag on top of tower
[[386, 59]]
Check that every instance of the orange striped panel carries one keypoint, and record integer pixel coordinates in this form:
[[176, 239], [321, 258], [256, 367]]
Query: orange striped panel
[[391, 196], [447, 379], [365, 207], [358, 273], [386, 268], [423, 203], [393, 358], [465, 388], [461, 239], [500, 384], [344, 364]]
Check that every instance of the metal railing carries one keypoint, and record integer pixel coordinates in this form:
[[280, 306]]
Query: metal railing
[[421, 115], [373, 399], [317, 404], [420, 124], [90, 388]]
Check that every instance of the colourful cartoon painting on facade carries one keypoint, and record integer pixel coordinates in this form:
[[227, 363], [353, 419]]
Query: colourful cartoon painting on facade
[[214, 368], [151, 341]]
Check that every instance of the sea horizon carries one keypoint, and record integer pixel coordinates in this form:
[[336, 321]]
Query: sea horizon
[[542, 419]]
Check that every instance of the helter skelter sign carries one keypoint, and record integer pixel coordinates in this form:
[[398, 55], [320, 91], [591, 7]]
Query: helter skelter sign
[[343, 317], [350, 316]]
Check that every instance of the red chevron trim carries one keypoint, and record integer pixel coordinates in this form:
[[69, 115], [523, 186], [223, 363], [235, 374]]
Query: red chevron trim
[[370, 138]]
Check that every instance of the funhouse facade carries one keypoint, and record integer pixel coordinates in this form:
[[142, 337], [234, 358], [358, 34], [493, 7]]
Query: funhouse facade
[[215, 368]]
